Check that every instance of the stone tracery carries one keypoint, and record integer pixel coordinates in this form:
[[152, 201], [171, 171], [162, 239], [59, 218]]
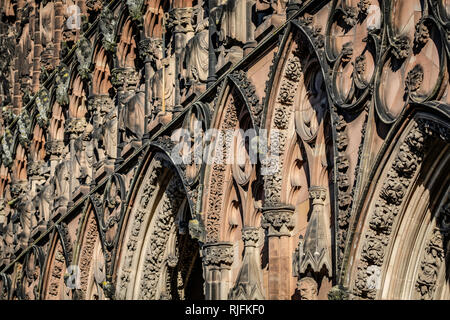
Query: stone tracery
[[89, 120]]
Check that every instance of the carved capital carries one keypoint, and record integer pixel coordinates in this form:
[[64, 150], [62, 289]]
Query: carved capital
[[55, 148], [317, 195], [36, 169], [75, 127], [250, 236], [124, 78], [182, 19], [151, 49], [218, 255], [278, 220], [100, 104]]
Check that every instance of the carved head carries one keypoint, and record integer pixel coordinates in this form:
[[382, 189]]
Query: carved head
[[308, 288]]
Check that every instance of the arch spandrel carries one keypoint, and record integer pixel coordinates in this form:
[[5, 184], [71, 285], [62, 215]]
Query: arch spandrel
[[400, 229]]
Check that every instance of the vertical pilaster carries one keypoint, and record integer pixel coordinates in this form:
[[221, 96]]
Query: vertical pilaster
[[279, 223]]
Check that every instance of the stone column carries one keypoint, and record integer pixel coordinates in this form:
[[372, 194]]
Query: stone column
[[59, 20], [217, 261], [37, 50], [279, 223]]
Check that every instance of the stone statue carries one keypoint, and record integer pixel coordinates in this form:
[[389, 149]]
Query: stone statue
[[62, 187], [27, 218], [132, 116], [43, 201], [196, 58], [157, 87], [110, 134], [82, 165]]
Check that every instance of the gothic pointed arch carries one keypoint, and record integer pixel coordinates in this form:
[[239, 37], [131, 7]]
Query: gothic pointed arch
[[403, 228], [232, 197], [159, 259], [90, 258], [298, 195], [55, 284]]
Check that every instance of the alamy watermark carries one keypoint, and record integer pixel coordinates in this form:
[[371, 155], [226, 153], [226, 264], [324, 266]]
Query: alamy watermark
[[230, 146]]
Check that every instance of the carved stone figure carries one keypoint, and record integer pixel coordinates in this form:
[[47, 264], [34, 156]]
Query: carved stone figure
[[308, 288], [132, 117], [196, 58], [62, 185]]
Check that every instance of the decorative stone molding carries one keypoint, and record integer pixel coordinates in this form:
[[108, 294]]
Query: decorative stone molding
[[422, 33], [278, 220], [90, 237], [350, 16], [249, 93], [401, 47], [136, 219], [404, 166], [249, 280], [414, 79], [434, 255], [312, 251], [153, 273], [430, 266]]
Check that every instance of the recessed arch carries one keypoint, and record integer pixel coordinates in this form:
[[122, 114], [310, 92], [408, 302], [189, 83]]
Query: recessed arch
[[402, 214]]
